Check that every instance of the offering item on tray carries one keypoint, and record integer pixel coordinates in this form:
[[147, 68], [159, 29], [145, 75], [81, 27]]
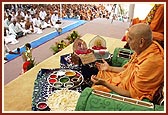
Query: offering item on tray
[[70, 73], [52, 80], [42, 106], [64, 78], [68, 84], [97, 43], [58, 85], [61, 100], [80, 47]]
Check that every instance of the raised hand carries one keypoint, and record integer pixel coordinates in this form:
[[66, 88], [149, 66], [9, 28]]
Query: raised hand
[[102, 66]]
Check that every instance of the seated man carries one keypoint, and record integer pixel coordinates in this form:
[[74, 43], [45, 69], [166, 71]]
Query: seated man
[[38, 25], [54, 18], [142, 75], [7, 22], [7, 50], [16, 29], [29, 26], [9, 38]]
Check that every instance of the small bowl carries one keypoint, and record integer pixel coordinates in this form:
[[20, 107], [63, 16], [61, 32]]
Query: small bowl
[[68, 84], [64, 79], [70, 73], [60, 73], [52, 80], [57, 85], [42, 106], [77, 74], [75, 79], [53, 76]]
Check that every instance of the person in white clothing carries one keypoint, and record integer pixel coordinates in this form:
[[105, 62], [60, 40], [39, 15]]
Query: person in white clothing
[[42, 14], [32, 11], [7, 22], [37, 25], [28, 15], [16, 29], [112, 16], [8, 51], [54, 18], [10, 38], [13, 14]]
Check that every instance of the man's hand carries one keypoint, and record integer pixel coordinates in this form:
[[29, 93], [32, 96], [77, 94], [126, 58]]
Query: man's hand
[[102, 66], [97, 81]]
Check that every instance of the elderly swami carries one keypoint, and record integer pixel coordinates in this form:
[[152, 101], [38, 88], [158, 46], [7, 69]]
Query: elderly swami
[[142, 75]]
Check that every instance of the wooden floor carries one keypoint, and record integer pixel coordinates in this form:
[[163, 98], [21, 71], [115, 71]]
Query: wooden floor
[[102, 27]]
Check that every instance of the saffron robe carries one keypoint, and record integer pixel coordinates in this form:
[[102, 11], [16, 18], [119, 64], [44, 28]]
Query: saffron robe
[[156, 25], [142, 76]]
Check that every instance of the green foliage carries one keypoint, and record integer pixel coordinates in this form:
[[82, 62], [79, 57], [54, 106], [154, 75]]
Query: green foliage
[[61, 45], [74, 35], [54, 48]]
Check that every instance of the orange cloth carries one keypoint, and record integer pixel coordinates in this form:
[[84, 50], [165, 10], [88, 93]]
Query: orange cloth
[[156, 25], [142, 76]]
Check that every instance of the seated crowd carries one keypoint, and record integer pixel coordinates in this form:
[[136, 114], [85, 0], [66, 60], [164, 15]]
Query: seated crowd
[[20, 20], [23, 19]]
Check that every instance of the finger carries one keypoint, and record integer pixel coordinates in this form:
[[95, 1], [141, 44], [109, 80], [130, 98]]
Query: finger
[[92, 79], [93, 76], [97, 64], [103, 61]]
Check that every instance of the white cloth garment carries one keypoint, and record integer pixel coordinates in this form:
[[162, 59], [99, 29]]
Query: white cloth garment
[[13, 29], [42, 14], [7, 23], [54, 19], [10, 39]]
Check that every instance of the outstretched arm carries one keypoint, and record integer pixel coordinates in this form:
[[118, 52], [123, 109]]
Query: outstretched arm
[[105, 66]]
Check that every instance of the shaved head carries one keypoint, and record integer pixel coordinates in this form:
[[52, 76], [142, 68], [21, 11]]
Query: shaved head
[[139, 37], [141, 30]]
